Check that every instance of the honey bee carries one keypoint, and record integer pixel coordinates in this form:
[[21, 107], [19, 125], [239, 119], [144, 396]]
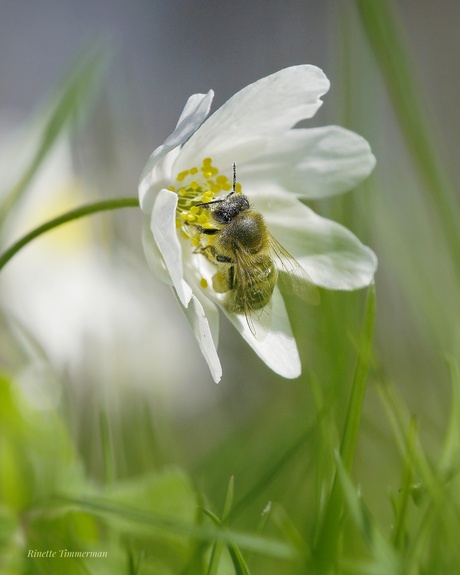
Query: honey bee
[[250, 261]]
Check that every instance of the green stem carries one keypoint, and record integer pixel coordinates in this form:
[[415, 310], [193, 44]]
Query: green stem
[[102, 206]]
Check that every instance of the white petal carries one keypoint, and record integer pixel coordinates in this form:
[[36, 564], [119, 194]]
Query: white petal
[[269, 106], [205, 326], [330, 254], [163, 226], [313, 163], [153, 255], [193, 115], [278, 350]]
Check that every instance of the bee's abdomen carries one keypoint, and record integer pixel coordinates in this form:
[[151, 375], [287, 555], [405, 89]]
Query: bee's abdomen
[[257, 287]]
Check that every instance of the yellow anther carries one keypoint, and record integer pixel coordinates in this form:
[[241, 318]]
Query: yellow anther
[[203, 283], [214, 187], [184, 215], [207, 174], [194, 186], [182, 192], [194, 209], [182, 175], [226, 187], [203, 219], [193, 170], [190, 217], [207, 196], [222, 180], [171, 188], [238, 188], [207, 161], [178, 224]]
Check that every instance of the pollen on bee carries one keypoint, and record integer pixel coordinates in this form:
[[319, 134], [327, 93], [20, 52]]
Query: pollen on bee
[[203, 283]]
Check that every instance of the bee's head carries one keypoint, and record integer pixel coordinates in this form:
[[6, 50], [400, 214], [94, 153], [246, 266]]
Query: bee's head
[[225, 210]]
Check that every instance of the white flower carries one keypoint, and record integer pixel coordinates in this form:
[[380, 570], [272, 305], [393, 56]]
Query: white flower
[[277, 166]]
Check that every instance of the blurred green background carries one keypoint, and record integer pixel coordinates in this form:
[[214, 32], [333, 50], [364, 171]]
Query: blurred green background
[[113, 437]]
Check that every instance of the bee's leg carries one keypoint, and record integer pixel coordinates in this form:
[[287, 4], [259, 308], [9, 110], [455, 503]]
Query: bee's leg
[[208, 251], [231, 277], [220, 281], [207, 231], [224, 259]]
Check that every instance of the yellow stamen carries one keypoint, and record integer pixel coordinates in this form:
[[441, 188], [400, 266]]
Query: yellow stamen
[[182, 175]]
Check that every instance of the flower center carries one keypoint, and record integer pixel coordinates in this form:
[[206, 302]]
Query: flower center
[[197, 186]]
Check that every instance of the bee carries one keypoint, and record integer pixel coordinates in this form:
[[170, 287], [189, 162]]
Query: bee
[[250, 261]]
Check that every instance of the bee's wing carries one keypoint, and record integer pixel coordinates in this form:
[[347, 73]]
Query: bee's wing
[[292, 278], [259, 320]]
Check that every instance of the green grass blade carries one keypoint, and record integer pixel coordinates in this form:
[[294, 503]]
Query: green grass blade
[[106, 509], [68, 102], [405, 491], [218, 547], [450, 457], [237, 558], [385, 37], [386, 562], [358, 390], [325, 548]]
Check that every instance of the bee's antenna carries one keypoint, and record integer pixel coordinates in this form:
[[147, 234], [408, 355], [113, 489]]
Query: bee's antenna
[[222, 199]]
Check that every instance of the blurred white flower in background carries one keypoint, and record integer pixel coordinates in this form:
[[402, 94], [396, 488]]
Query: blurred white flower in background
[[277, 166], [95, 315]]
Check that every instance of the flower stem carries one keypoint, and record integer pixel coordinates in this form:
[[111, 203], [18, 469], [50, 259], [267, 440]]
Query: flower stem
[[102, 206]]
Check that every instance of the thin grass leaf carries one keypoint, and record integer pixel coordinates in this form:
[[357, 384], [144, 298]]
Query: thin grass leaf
[[218, 547], [269, 474], [400, 420], [405, 491], [66, 105], [450, 458], [105, 509], [358, 390], [386, 562], [386, 39], [326, 545], [290, 531], [264, 517], [107, 447], [237, 558]]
